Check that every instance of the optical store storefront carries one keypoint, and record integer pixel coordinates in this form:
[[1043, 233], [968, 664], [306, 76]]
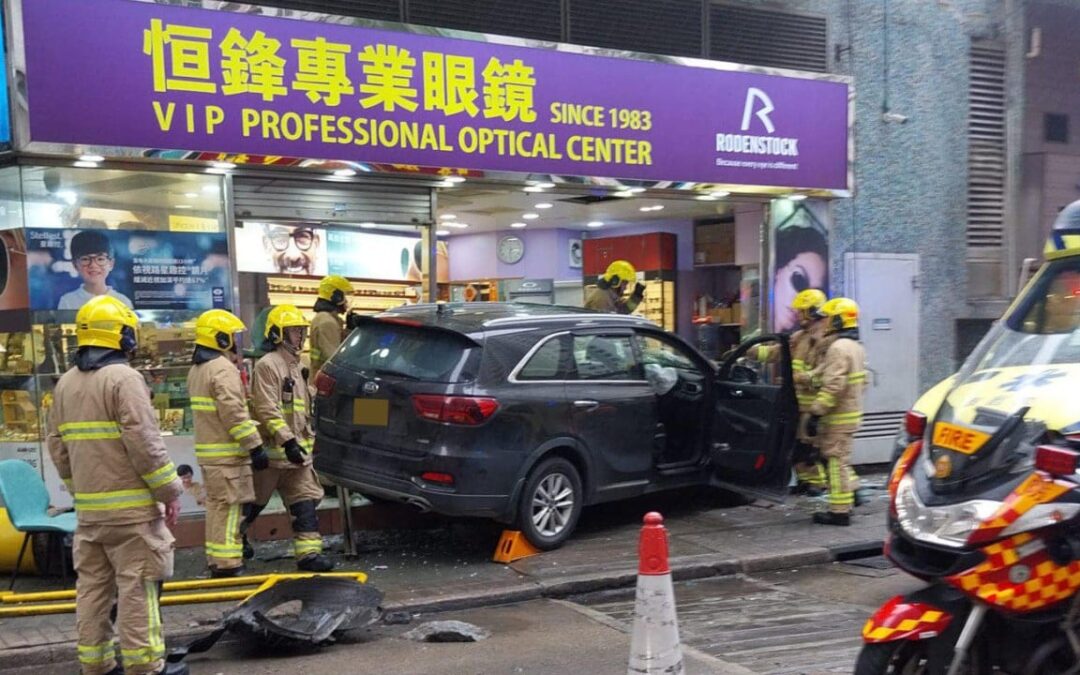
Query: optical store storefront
[[184, 158]]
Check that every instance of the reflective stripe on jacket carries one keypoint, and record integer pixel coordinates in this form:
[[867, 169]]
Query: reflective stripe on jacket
[[327, 332], [802, 351], [104, 439], [609, 301], [224, 431], [842, 377], [281, 416]]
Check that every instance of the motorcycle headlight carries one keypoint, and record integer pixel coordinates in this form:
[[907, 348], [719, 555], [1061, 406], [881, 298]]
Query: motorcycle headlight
[[948, 525]]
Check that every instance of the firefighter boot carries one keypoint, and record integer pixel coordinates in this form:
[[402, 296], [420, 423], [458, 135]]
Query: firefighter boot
[[174, 669], [229, 572], [307, 542], [831, 518]]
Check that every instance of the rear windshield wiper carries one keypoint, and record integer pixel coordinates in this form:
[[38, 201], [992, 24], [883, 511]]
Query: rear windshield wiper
[[390, 373]]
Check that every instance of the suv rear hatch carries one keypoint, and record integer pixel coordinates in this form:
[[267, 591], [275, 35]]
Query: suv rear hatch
[[389, 380]]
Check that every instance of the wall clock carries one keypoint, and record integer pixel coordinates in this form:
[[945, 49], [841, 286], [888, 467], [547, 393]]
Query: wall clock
[[511, 249]]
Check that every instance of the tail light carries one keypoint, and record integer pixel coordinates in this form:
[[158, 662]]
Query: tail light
[[901, 468], [464, 410], [437, 477], [324, 384], [1056, 461], [915, 424]]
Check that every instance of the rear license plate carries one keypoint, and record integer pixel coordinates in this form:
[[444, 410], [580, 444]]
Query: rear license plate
[[371, 412], [952, 437]]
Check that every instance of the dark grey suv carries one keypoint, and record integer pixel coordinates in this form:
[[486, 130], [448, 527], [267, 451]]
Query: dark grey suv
[[527, 413]]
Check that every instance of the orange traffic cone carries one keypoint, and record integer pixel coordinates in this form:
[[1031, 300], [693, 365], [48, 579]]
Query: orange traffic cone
[[654, 647]]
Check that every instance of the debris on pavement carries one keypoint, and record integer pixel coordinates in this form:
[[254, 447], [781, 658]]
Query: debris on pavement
[[447, 631]]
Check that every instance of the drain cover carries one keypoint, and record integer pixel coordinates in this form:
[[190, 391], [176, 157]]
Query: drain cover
[[877, 562]]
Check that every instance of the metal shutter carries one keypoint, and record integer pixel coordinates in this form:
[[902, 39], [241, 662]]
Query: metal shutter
[[315, 201], [654, 26], [986, 147], [383, 10], [535, 19], [768, 38]]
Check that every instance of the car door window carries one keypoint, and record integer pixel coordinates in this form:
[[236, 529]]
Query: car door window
[[549, 362], [605, 357]]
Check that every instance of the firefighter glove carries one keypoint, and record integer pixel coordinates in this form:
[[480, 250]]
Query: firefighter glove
[[812, 425], [352, 320], [639, 290], [293, 452], [259, 459]]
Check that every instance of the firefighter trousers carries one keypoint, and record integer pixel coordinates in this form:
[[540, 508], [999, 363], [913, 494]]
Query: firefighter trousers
[[301, 492], [122, 564], [836, 444], [228, 488]]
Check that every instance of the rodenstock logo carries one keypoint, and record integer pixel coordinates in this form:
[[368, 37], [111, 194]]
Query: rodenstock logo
[[758, 105]]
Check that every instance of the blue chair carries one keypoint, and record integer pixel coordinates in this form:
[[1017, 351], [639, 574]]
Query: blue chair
[[27, 502]]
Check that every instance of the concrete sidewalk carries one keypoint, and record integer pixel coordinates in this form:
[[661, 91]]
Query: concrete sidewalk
[[439, 565]]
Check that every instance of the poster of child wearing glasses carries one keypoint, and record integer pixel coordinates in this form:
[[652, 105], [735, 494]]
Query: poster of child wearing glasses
[[273, 248], [143, 269], [800, 256]]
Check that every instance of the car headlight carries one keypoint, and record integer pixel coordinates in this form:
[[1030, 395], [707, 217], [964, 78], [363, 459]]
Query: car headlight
[[948, 525]]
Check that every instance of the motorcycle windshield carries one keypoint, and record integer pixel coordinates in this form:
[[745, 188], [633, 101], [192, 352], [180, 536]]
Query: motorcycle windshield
[[1029, 363]]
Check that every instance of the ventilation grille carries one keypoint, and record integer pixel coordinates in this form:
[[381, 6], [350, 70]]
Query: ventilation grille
[[655, 26], [536, 19], [767, 38], [986, 148], [278, 199], [382, 10], [881, 425]]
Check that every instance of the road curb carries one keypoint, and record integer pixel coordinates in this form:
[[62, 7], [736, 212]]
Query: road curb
[[682, 569]]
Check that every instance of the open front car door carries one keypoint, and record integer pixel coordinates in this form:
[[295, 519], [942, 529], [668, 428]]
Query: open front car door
[[755, 418]]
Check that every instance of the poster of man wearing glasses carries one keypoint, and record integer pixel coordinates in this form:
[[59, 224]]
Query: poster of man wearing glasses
[[143, 269], [273, 248]]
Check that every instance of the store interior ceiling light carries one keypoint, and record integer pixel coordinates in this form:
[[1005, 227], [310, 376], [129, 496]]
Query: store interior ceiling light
[[457, 225], [543, 205], [91, 158], [544, 185], [518, 226], [796, 198], [530, 216], [442, 233], [594, 224], [86, 165], [448, 216], [455, 179], [345, 173], [212, 187], [182, 206], [623, 193], [68, 196], [191, 195], [534, 188], [654, 207], [223, 165], [367, 226], [706, 198], [719, 194], [636, 190]]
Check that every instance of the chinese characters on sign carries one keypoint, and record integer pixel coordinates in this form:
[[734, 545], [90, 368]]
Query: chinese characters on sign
[[216, 81]]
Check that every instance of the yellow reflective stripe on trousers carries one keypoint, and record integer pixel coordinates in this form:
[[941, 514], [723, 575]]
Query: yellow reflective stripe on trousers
[[89, 431], [306, 547], [211, 450], [113, 500], [837, 497], [155, 649], [243, 430], [232, 546], [203, 403], [837, 419], [160, 476], [97, 654]]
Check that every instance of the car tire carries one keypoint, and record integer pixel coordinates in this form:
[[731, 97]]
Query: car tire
[[548, 514]]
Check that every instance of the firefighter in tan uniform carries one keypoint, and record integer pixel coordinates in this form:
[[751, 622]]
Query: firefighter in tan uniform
[[809, 472], [103, 437], [281, 404], [608, 296], [836, 412], [327, 328], [227, 441]]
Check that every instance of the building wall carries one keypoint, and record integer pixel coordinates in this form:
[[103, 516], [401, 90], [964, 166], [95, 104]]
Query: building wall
[[474, 256]]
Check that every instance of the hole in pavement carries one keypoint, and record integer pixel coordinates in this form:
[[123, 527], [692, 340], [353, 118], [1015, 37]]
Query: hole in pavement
[[857, 552]]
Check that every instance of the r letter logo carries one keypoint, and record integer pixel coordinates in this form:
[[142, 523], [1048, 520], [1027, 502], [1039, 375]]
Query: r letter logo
[[752, 94]]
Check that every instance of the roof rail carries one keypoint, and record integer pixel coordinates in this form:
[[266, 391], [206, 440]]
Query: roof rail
[[579, 317]]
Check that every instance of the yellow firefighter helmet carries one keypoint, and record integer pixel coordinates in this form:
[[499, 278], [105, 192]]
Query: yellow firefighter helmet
[[217, 329], [106, 322], [335, 289], [280, 318], [808, 302], [618, 272], [843, 313]]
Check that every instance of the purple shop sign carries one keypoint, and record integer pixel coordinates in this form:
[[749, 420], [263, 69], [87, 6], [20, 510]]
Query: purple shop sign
[[144, 75]]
